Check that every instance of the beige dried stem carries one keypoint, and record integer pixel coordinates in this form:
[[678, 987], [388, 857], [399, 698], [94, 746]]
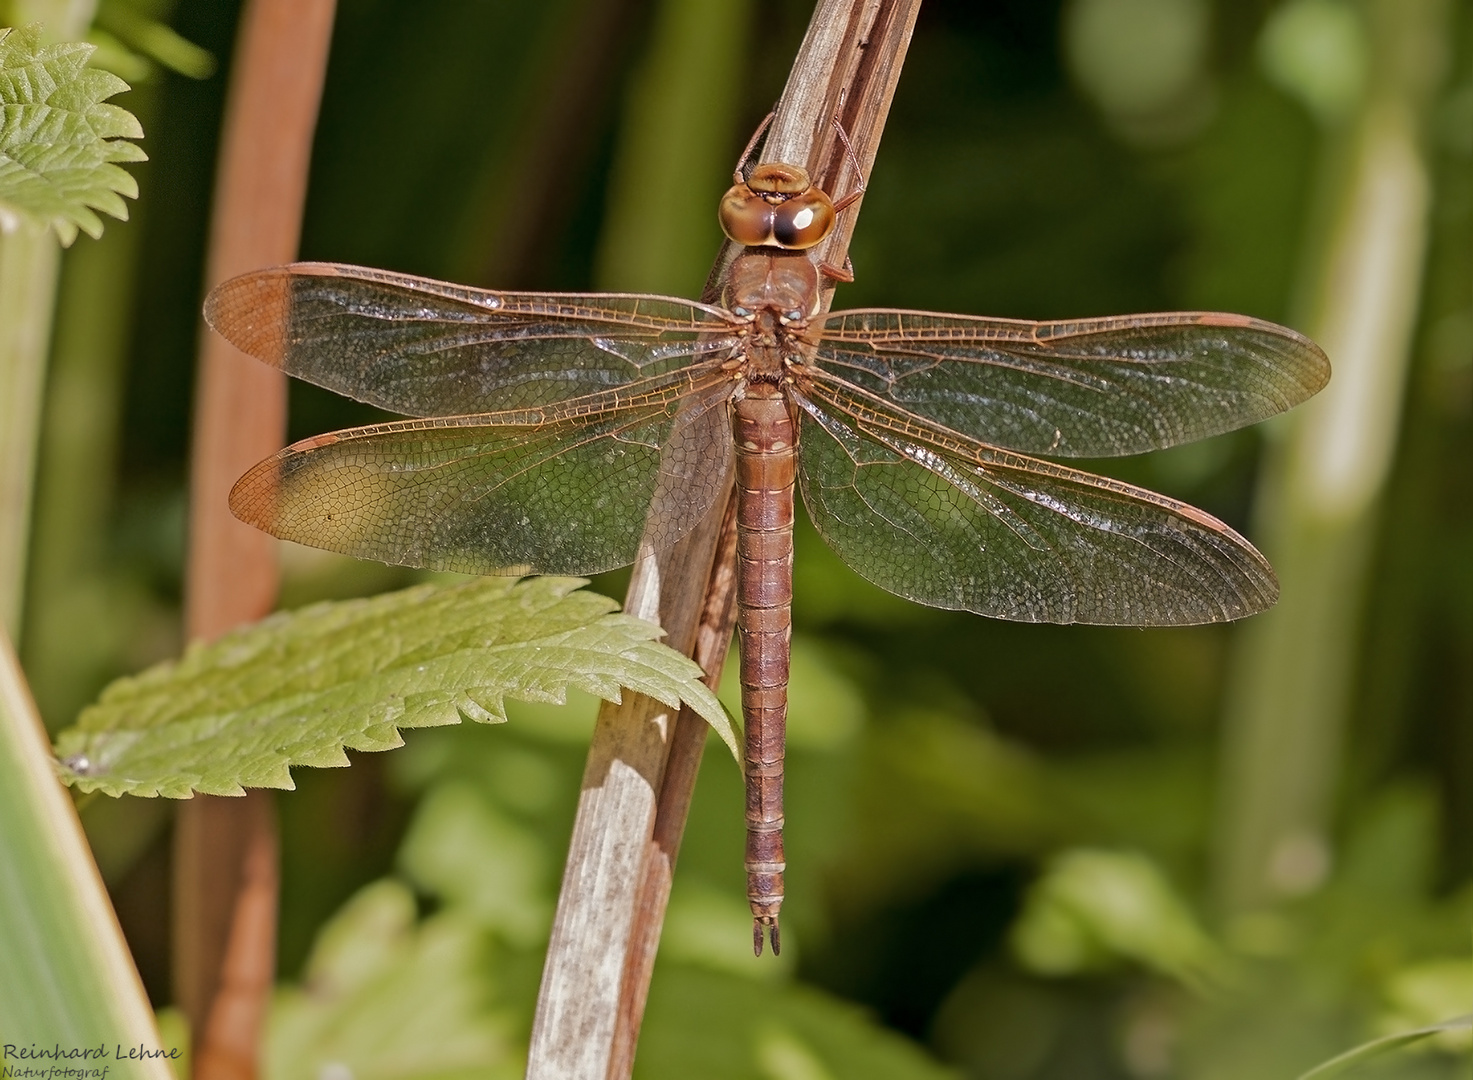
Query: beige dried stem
[[225, 873], [643, 760]]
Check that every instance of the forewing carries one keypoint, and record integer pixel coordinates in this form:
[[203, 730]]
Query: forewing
[[952, 523], [1086, 388], [566, 490], [428, 348]]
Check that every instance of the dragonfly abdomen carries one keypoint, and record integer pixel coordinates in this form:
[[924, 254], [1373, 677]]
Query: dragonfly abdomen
[[766, 471]]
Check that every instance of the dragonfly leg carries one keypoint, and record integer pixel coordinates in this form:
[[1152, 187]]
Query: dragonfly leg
[[738, 176], [850, 199], [843, 273]]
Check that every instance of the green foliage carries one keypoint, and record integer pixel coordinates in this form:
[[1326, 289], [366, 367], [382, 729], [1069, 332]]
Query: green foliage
[[60, 140], [481, 860], [703, 1023], [299, 687], [1419, 996], [1365, 1052], [129, 25], [388, 993], [939, 764], [1094, 907], [1316, 50]]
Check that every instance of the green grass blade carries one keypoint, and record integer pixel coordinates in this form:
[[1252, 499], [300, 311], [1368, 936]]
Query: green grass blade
[[300, 687], [67, 980], [1336, 1066]]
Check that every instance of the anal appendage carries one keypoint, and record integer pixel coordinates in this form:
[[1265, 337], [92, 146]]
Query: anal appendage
[[766, 925]]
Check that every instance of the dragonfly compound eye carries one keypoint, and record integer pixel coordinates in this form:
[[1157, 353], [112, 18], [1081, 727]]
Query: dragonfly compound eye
[[802, 221], [746, 217]]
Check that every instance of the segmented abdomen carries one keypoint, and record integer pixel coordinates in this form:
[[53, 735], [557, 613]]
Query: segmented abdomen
[[766, 469]]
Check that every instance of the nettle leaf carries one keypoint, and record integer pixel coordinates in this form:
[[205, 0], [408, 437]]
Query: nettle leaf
[[59, 140], [299, 687]]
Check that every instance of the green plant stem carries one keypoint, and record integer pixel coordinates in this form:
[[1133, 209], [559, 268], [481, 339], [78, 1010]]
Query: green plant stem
[[29, 259], [1292, 687], [77, 611], [74, 624], [66, 976]]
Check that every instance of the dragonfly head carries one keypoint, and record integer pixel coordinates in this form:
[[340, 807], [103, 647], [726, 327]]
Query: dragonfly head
[[777, 206]]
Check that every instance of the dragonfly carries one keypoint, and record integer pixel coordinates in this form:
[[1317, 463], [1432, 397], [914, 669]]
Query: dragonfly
[[567, 433]]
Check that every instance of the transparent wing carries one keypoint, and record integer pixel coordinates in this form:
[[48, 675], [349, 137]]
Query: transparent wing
[[1087, 388], [570, 489], [428, 348], [949, 522]]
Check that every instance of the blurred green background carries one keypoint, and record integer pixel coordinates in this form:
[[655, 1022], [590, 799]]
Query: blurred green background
[[1035, 853]]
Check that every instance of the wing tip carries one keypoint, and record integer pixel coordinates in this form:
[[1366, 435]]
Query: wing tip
[[1320, 369], [256, 497], [252, 311], [1312, 372]]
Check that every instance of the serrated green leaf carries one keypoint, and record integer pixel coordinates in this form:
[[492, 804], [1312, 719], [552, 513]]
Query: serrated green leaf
[[1376, 1047], [299, 687], [59, 138]]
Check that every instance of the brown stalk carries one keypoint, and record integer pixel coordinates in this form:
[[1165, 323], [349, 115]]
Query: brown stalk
[[225, 850], [643, 762]]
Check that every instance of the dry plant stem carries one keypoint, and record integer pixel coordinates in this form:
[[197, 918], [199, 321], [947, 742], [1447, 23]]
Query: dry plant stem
[[683, 764], [578, 1003], [617, 876], [229, 920], [225, 880]]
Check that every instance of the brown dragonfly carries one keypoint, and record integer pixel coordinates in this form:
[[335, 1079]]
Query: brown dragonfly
[[566, 433]]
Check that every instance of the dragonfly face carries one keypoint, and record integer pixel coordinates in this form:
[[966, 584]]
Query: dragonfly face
[[565, 433]]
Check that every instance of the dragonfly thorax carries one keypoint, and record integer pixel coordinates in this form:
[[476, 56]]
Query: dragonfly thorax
[[780, 284]]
